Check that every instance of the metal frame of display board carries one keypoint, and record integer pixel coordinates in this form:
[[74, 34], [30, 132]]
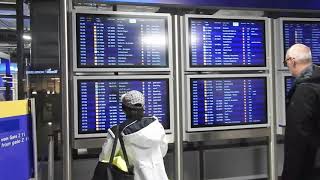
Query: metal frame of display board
[[268, 131], [124, 14], [115, 78], [269, 102], [83, 141], [65, 8], [268, 48], [66, 12], [178, 73], [280, 100]]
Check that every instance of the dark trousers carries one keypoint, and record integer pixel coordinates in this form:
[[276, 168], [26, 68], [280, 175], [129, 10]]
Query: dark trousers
[[299, 160]]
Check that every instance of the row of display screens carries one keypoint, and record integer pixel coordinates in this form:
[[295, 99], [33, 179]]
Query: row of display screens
[[122, 40], [213, 102]]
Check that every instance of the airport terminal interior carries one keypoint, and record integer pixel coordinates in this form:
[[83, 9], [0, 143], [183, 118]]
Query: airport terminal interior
[[212, 72]]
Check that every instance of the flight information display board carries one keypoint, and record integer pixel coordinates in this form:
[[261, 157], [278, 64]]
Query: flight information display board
[[305, 32], [121, 41], [6, 80], [227, 42], [1, 82], [289, 82], [99, 105], [228, 101]]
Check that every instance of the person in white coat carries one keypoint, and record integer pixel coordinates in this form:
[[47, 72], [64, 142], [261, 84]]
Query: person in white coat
[[144, 139]]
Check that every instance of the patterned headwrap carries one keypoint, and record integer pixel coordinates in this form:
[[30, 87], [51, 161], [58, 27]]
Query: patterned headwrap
[[133, 99]]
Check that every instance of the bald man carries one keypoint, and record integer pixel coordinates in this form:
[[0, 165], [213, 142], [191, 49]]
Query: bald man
[[302, 135]]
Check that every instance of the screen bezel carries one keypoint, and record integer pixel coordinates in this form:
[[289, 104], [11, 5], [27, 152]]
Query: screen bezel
[[279, 46], [169, 54], [267, 44], [281, 100], [78, 135], [228, 127]]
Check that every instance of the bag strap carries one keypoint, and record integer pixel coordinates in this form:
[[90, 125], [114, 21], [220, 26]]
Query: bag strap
[[114, 146], [123, 148]]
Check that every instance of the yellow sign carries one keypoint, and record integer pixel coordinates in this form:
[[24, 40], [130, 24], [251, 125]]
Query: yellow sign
[[13, 108]]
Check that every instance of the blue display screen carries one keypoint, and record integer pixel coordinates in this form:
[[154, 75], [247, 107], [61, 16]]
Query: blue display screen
[[228, 101], [100, 107], [1, 82], [5, 66], [118, 41], [305, 32], [16, 160], [6, 80], [289, 82], [227, 43], [3, 93]]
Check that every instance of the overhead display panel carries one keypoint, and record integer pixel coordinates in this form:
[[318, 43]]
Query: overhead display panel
[[98, 102], [118, 41], [227, 102], [289, 82], [226, 44]]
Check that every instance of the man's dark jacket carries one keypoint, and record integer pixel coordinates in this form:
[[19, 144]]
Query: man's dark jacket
[[302, 135]]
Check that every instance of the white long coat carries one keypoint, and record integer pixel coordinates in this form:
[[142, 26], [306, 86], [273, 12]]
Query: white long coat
[[145, 148]]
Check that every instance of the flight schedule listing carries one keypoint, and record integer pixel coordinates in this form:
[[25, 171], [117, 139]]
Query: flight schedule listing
[[121, 41], [233, 43], [305, 32], [228, 101], [289, 82], [100, 106]]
